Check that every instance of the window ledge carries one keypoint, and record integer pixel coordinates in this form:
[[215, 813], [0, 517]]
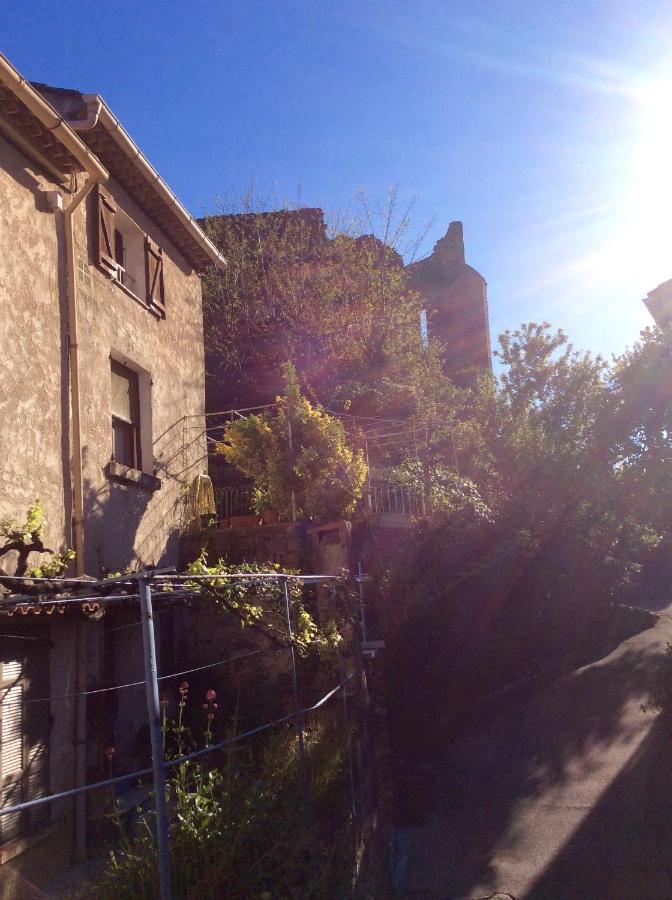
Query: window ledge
[[148, 306], [125, 475], [24, 842]]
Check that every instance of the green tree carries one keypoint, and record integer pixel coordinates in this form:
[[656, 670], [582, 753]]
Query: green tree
[[335, 301], [640, 418]]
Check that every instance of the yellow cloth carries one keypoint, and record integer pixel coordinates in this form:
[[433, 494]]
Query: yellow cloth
[[200, 498]]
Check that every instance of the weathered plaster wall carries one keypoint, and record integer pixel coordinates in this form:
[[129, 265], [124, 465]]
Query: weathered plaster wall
[[330, 547], [33, 420], [127, 525], [124, 526]]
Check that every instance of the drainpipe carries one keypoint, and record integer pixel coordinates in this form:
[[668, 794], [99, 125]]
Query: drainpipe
[[63, 131], [73, 364], [77, 511]]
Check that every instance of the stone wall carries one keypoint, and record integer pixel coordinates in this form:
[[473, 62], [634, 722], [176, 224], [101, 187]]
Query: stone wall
[[285, 543], [456, 300], [126, 525]]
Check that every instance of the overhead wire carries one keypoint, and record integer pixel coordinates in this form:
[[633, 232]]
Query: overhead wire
[[171, 763], [130, 684]]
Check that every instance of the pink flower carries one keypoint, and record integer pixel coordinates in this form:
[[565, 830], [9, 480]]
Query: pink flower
[[109, 753], [211, 695]]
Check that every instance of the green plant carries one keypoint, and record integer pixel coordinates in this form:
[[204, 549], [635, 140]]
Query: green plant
[[28, 537], [240, 831], [336, 292], [54, 567], [259, 603], [297, 456]]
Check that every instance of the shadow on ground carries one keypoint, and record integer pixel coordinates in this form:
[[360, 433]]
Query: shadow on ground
[[622, 849], [576, 746]]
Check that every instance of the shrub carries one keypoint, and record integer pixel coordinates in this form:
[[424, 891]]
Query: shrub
[[297, 457]]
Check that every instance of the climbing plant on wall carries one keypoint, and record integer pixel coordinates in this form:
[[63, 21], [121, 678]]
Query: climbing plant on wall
[[28, 537]]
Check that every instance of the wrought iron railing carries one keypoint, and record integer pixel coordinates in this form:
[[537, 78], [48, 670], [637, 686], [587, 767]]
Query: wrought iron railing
[[233, 501]]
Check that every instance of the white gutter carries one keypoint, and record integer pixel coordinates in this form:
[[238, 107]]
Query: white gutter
[[142, 164], [45, 113], [93, 106]]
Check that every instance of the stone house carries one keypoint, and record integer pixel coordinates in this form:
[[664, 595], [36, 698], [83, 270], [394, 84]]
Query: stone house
[[101, 414]]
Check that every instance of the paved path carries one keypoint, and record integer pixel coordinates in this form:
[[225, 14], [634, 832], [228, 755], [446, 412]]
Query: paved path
[[565, 794]]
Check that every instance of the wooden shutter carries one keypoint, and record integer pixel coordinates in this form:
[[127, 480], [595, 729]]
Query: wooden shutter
[[106, 212], [154, 273], [37, 719], [24, 730]]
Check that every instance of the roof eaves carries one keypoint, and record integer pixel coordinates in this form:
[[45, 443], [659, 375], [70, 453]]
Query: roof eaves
[[50, 120], [123, 140]]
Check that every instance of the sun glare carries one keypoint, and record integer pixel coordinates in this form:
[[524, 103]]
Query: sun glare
[[648, 195]]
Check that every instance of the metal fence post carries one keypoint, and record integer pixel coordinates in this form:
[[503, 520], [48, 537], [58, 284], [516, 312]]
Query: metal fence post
[[362, 609], [346, 725], [297, 707], [154, 717]]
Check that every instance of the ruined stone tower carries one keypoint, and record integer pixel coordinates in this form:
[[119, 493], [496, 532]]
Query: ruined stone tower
[[457, 305]]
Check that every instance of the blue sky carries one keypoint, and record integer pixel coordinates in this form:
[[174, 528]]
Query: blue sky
[[542, 126]]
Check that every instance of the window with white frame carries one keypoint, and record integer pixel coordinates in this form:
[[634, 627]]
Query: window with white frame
[[128, 255], [131, 413], [126, 444]]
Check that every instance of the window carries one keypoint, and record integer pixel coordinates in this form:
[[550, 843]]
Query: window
[[126, 251], [132, 461], [125, 416], [24, 730], [128, 255], [119, 250]]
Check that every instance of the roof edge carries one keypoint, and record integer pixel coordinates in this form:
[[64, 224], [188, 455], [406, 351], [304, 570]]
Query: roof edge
[[124, 141], [45, 113]]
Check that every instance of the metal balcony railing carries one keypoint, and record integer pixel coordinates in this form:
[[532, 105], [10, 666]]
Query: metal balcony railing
[[233, 501], [387, 497], [125, 278]]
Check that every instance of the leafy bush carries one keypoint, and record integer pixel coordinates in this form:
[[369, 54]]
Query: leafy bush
[[239, 829], [259, 603], [297, 456], [28, 537]]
